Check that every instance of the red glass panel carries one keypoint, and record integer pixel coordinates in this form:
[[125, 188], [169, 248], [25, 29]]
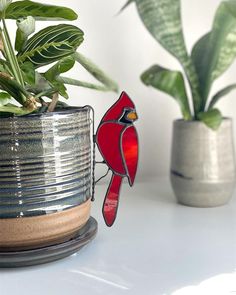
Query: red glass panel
[[108, 139], [110, 205], [130, 151]]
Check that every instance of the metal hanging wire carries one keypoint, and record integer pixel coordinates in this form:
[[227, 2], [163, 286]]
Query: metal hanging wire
[[93, 180]]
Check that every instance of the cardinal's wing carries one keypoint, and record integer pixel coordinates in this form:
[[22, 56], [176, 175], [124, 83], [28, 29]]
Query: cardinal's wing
[[109, 143], [130, 152]]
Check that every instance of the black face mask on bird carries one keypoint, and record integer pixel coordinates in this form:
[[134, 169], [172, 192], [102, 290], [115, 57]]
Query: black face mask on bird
[[129, 116]]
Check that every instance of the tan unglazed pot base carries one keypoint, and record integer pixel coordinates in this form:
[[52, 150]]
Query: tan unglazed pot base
[[40, 231]]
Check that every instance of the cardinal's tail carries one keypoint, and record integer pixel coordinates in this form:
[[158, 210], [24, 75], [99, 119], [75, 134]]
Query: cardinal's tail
[[110, 205]]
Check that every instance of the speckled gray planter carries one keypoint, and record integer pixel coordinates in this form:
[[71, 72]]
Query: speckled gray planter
[[203, 164], [45, 176]]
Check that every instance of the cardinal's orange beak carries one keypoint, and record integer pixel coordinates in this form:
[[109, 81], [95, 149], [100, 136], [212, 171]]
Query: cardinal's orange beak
[[132, 116]]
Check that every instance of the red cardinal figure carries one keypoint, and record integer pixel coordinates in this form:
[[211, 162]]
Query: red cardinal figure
[[117, 141]]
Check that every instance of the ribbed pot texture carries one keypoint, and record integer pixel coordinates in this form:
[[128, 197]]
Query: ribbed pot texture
[[45, 168], [203, 169]]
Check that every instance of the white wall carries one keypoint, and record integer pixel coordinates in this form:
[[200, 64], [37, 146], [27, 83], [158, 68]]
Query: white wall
[[122, 47]]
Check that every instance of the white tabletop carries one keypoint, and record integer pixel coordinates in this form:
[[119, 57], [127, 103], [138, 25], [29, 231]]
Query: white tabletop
[[156, 247]]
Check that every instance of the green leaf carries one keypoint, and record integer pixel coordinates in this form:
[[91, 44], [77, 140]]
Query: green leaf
[[170, 82], [79, 83], [60, 88], [4, 4], [211, 118], [48, 93], [220, 94], [63, 66], [39, 11], [51, 44], [41, 84], [4, 67], [20, 40], [10, 108], [163, 20], [26, 27], [28, 72], [51, 75], [96, 72], [216, 51], [10, 54], [127, 4], [14, 89], [4, 98]]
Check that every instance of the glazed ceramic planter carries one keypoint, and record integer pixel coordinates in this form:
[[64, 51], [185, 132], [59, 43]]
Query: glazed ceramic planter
[[203, 164], [45, 178]]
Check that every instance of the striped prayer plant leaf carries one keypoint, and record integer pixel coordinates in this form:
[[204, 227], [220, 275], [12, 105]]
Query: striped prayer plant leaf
[[51, 44], [170, 82], [216, 51], [21, 9], [163, 20]]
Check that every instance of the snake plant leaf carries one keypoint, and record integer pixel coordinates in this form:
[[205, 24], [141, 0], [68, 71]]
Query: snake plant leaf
[[216, 51], [126, 5], [4, 98], [163, 20], [51, 44], [10, 108], [212, 118], [21, 9], [220, 94], [63, 66], [28, 71], [170, 82], [96, 72]]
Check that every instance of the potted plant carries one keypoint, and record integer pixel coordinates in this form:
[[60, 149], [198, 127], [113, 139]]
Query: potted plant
[[203, 163], [45, 145]]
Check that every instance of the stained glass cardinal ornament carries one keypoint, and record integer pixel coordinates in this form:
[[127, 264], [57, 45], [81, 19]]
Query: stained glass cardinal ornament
[[117, 141]]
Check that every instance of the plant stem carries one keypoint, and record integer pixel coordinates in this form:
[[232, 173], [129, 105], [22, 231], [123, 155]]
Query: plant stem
[[11, 55], [54, 102], [12, 59]]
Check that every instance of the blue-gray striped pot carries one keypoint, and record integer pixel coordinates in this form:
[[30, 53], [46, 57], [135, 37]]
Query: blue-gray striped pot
[[45, 177]]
